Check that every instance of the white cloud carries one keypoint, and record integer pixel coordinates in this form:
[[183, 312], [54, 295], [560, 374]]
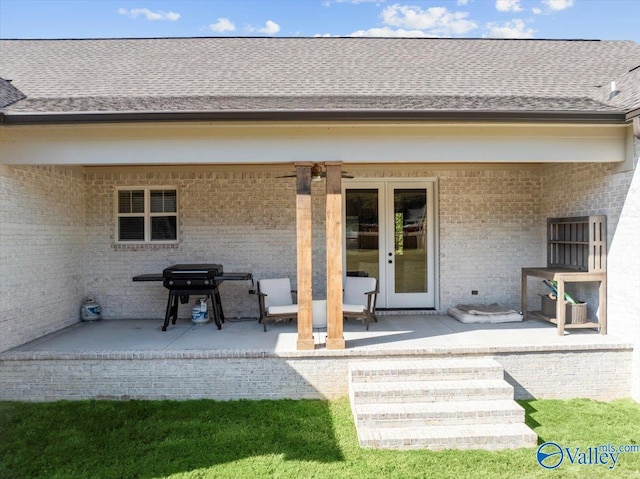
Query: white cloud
[[150, 15], [270, 28], [508, 6], [513, 29], [558, 4], [536, 11], [222, 25], [463, 2], [388, 32], [434, 21]]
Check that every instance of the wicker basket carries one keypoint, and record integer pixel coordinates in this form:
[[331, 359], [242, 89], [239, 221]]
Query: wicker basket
[[575, 314]]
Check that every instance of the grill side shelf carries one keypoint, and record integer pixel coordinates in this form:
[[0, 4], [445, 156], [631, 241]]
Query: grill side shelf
[[223, 277], [149, 277]]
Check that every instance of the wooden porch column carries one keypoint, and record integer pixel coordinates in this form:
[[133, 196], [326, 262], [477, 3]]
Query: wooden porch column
[[335, 336], [303, 238]]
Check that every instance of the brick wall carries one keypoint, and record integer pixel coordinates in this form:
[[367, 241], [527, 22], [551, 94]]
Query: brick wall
[[599, 189], [490, 227], [42, 241], [597, 374], [243, 220], [601, 374]]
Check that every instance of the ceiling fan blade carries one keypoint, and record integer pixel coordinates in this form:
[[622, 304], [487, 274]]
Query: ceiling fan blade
[[344, 175], [321, 175]]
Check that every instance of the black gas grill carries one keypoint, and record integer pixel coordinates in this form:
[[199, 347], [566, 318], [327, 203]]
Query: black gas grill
[[184, 280], [191, 276]]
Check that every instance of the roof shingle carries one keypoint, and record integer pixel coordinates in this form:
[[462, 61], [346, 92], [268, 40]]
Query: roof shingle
[[8, 93], [206, 74]]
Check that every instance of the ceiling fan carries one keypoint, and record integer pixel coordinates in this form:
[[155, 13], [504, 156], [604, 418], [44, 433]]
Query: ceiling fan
[[317, 173]]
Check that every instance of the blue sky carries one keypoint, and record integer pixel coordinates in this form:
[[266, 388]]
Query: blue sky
[[588, 19]]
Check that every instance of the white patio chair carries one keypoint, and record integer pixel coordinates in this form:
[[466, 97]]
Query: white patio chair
[[275, 297], [359, 299]]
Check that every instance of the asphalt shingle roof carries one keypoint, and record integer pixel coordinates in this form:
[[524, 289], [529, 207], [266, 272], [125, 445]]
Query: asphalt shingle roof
[[626, 95], [308, 103], [213, 74], [8, 93]]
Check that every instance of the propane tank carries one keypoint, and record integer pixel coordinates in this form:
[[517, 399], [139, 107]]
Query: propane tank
[[199, 313], [90, 310]]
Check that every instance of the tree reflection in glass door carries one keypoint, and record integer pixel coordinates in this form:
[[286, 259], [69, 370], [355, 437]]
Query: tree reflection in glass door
[[410, 249]]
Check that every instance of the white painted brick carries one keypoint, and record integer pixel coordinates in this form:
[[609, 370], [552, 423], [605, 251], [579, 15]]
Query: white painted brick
[[539, 374], [57, 225], [42, 246]]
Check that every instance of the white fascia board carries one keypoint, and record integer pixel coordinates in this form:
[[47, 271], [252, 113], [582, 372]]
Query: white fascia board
[[251, 143]]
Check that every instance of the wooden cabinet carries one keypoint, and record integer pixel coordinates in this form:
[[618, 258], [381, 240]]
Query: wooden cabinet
[[576, 252], [578, 244]]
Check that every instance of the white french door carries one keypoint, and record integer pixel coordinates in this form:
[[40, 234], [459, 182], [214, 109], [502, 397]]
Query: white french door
[[390, 234]]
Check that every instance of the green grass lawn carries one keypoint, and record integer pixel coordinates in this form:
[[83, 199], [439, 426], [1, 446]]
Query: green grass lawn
[[299, 439]]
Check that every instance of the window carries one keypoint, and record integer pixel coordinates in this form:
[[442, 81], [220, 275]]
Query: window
[[147, 215]]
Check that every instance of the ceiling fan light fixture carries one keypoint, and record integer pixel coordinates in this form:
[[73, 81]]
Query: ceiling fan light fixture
[[316, 172]]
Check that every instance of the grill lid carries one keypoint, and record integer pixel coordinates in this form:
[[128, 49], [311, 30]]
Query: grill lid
[[199, 270]]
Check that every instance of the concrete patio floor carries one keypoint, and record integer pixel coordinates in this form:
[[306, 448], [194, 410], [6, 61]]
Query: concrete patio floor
[[393, 332]]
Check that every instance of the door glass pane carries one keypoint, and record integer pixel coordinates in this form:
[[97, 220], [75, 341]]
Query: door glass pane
[[362, 232], [410, 233]]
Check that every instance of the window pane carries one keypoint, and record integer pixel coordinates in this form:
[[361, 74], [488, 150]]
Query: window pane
[[137, 201], [163, 201], [170, 203], [156, 201], [124, 201], [131, 229], [131, 201], [163, 228]]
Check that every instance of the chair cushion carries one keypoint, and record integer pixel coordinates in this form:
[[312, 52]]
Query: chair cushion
[[353, 308], [286, 309], [278, 291], [355, 289]]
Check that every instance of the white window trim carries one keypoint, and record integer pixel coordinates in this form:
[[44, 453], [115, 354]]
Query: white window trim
[[147, 214]]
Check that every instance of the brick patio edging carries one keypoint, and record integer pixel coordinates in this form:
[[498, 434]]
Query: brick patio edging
[[594, 371]]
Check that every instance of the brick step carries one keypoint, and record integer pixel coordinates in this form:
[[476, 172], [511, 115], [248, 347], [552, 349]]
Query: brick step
[[471, 436], [429, 391], [425, 369], [418, 414]]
